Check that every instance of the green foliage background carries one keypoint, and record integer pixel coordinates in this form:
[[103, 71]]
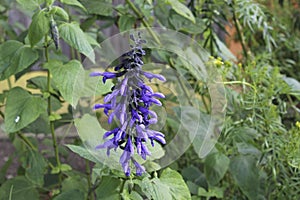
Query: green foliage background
[[258, 153]]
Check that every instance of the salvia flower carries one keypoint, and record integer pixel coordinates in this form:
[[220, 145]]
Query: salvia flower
[[129, 104]]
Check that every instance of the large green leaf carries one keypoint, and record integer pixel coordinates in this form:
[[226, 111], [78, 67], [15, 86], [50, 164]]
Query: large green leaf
[[69, 79], [75, 182], [89, 130], [83, 152], [103, 7], [246, 175], [18, 188], [35, 166], [18, 58], [94, 86], [21, 109], [126, 22], [30, 4], [70, 195], [216, 165], [109, 188], [73, 82], [181, 9], [175, 182], [39, 27], [60, 12], [154, 189], [169, 186], [73, 3], [75, 37], [7, 51]]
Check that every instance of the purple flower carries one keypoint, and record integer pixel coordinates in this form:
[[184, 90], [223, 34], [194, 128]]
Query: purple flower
[[129, 105]]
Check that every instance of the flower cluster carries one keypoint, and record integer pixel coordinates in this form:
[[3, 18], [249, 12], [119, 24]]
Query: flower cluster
[[129, 104]]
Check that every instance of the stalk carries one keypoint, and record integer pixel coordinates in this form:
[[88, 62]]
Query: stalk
[[26, 141], [143, 20], [88, 173], [238, 30], [55, 146]]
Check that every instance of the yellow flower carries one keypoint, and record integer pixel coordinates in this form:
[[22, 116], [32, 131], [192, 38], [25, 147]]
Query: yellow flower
[[298, 124]]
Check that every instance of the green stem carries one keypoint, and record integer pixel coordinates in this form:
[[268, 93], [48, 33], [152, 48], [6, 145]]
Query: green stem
[[9, 83], [205, 104], [2, 114], [55, 146], [26, 141], [143, 20], [122, 185], [238, 30], [88, 173], [180, 83]]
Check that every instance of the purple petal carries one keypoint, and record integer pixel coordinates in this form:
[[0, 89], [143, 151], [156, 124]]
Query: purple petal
[[109, 97], [97, 106], [109, 144], [139, 168], [123, 86], [96, 74], [126, 168], [157, 102], [108, 133], [151, 76], [158, 94]]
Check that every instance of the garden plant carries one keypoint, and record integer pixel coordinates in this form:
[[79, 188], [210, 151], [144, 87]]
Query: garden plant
[[154, 99]]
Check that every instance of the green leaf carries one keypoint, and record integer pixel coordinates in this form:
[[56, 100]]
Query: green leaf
[[181, 9], [183, 24], [135, 196], [246, 175], [72, 34], [92, 40], [4, 168], [108, 188], [293, 83], [39, 27], [154, 189], [73, 3], [40, 125], [70, 195], [22, 109], [75, 182], [35, 166], [20, 189], [193, 174], [212, 192], [60, 12], [68, 78], [19, 60], [126, 22], [30, 4], [176, 184], [89, 129], [7, 52], [83, 152], [65, 168], [94, 86], [103, 7], [216, 165]]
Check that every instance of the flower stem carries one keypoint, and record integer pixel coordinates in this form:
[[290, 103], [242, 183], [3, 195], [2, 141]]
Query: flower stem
[[238, 30], [88, 173], [55, 146], [180, 83], [9, 83], [143, 20], [26, 141]]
